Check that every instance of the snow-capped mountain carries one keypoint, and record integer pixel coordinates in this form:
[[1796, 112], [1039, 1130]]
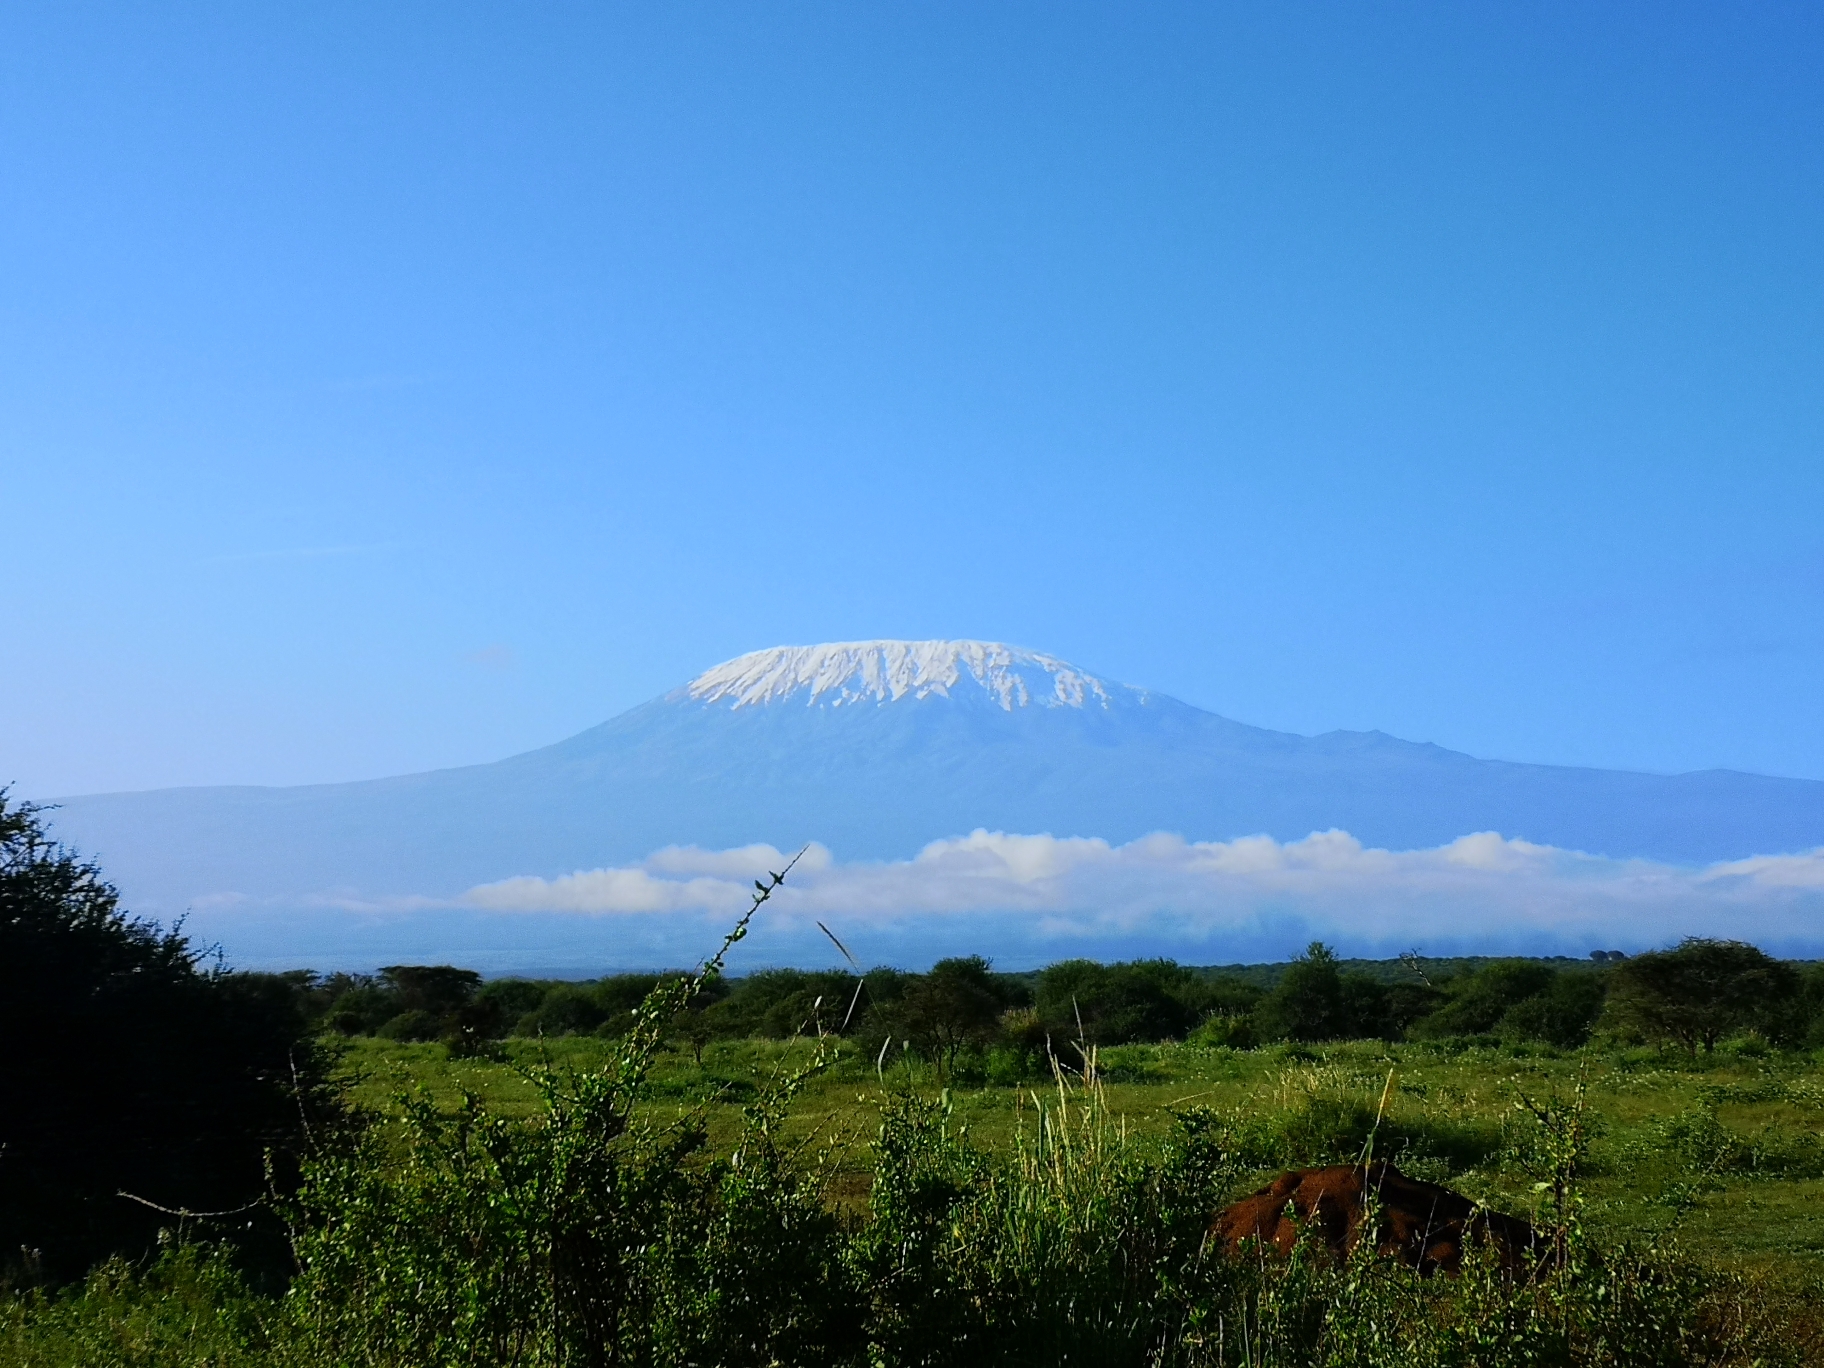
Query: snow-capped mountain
[[874, 748], [860, 672]]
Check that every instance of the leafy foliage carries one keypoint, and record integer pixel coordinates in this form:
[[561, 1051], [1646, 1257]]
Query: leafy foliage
[[1118, 1003], [126, 1068], [1700, 992]]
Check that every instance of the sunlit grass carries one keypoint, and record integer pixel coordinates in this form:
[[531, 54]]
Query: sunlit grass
[[1447, 1103]]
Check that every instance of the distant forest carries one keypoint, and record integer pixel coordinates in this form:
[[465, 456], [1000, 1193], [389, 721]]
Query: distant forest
[[992, 1026]]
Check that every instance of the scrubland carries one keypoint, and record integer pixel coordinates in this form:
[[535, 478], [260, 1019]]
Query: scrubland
[[1723, 1153], [209, 1168], [799, 1202]]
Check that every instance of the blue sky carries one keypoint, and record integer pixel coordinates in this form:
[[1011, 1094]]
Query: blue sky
[[392, 387]]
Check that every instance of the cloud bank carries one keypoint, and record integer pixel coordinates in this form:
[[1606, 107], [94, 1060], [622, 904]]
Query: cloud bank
[[1480, 891]]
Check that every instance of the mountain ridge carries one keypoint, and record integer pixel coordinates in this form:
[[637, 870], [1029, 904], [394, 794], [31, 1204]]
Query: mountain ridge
[[877, 782]]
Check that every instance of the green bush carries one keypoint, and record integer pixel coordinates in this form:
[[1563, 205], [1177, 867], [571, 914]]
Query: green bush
[[417, 1024], [1701, 991], [190, 1306], [1224, 1032], [1116, 1004], [507, 1000], [1308, 1002]]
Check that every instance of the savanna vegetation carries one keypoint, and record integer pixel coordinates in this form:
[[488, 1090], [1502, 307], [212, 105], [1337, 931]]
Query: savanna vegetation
[[977, 1025], [953, 1167]]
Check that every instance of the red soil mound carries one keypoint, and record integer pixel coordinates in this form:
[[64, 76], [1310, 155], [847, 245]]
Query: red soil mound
[[1421, 1224]]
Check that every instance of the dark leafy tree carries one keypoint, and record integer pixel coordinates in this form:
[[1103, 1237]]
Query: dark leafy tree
[[1802, 1023], [958, 1004], [781, 1003], [567, 1009], [1563, 1015], [1366, 1009], [1112, 1004], [693, 1030], [497, 1008], [1308, 1002], [126, 1067], [1700, 992], [360, 1004], [1226, 995], [440, 989], [1403, 1006], [1475, 1003]]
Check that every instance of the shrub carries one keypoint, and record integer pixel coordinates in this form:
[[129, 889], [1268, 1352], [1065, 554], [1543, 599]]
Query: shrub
[[190, 1306], [567, 1009], [413, 1025], [585, 1235], [1225, 1032], [507, 1000], [1562, 1015], [124, 1066], [957, 1005], [1116, 1004], [1308, 1002], [781, 1003]]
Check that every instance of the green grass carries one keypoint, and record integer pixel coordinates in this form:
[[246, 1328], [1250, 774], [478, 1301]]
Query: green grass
[[1733, 1141], [1030, 1225]]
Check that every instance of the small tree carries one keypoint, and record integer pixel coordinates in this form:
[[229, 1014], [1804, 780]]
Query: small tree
[[954, 1005], [440, 989], [693, 1030], [1700, 992], [1308, 1002]]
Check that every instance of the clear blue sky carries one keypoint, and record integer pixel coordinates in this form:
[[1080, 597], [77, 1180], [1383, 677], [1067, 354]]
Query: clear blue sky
[[386, 387]]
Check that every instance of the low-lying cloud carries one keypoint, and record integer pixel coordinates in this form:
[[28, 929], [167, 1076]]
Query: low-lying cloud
[[1479, 891]]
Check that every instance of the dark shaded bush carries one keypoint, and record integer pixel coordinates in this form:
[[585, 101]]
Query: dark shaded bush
[[1114, 1004], [1563, 1015], [414, 1025], [439, 989], [600, 1006], [1476, 1002], [361, 1005], [1309, 1002], [508, 999], [780, 1003], [1517, 1000], [1801, 1023], [124, 1066]]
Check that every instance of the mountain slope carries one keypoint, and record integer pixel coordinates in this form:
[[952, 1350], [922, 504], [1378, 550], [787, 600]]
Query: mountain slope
[[877, 747]]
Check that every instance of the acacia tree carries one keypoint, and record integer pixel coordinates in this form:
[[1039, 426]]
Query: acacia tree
[[1699, 992], [954, 1005]]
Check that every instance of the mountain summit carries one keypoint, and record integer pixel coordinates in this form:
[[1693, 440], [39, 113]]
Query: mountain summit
[[857, 672], [875, 748]]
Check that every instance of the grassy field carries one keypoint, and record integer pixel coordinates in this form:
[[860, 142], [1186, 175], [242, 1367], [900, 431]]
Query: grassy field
[[1728, 1149]]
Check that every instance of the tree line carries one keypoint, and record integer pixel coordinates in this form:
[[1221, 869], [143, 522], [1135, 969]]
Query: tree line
[[988, 1026]]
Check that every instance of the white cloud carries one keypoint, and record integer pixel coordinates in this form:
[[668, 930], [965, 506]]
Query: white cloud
[[1479, 888]]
